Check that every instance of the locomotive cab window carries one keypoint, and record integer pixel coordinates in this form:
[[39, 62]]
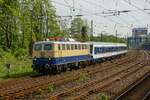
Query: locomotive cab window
[[38, 47], [48, 47]]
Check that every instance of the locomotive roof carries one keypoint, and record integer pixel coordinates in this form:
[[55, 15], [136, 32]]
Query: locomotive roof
[[61, 42]]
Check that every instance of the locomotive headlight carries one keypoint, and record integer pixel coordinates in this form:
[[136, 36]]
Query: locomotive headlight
[[34, 58]]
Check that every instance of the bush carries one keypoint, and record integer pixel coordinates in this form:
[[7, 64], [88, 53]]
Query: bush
[[50, 88], [20, 53], [39, 92], [83, 77], [1, 53], [19, 67], [102, 96]]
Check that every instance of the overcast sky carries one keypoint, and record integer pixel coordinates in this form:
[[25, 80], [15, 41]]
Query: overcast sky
[[95, 9]]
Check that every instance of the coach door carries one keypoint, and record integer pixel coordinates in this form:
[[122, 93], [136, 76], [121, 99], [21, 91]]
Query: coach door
[[91, 49]]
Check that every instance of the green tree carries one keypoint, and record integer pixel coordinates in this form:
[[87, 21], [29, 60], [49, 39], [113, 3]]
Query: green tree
[[80, 28], [8, 20], [76, 25], [84, 35], [108, 38], [21, 20]]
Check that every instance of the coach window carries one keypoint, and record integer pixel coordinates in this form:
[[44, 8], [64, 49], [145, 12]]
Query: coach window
[[113, 49], [125, 48], [108, 49], [104, 49], [101, 50]]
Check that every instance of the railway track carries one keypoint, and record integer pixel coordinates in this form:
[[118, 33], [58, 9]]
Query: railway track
[[94, 85], [147, 96], [28, 86], [137, 90], [93, 72]]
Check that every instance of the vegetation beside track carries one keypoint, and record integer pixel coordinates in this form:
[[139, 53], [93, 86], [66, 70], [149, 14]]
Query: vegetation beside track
[[20, 66]]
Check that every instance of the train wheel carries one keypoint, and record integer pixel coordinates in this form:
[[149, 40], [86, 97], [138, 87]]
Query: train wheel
[[83, 65], [64, 67], [54, 70], [47, 69], [76, 65], [59, 69]]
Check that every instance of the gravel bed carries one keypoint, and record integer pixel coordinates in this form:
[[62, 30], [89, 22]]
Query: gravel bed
[[72, 84], [119, 86]]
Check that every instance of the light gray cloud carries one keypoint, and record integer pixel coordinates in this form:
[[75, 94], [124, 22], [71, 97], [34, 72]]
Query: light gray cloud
[[94, 9]]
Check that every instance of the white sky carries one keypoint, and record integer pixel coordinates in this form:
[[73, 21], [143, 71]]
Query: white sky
[[93, 10]]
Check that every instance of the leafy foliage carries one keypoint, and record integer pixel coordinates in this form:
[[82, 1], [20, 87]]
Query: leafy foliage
[[19, 67], [102, 96], [21, 20], [50, 88], [83, 77], [80, 29], [84, 35], [107, 38]]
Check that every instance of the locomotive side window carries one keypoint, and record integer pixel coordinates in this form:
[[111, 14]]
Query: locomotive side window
[[85, 46], [72, 46], [68, 47], [76, 46], [59, 46], [48, 47], [80, 46], [63, 47], [38, 47]]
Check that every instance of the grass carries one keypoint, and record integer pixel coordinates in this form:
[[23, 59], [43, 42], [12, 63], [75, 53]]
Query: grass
[[50, 88], [102, 96], [83, 77], [39, 92], [19, 68]]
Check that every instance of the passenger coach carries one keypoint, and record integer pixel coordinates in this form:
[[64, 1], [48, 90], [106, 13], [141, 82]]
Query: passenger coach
[[101, 50]]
